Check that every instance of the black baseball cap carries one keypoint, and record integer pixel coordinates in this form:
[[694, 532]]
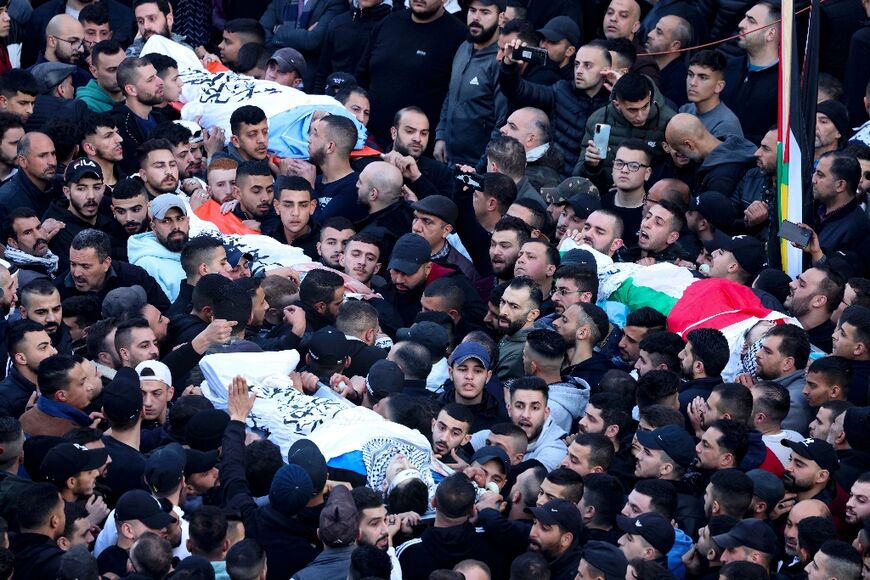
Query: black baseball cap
[[138, 504], [440, 206], [490, 452], [199, 461], [69, 459], [750, 533], [748, 251], [431, 335], [384, 379], [671, 439], [122, 398], [410, 252], [164, 468], [307, 455], [328, 346], [652, 527], [80, 168], [561, 28], [715, 207], [818, 450], [559, 512], [607, 558], [584, 204]]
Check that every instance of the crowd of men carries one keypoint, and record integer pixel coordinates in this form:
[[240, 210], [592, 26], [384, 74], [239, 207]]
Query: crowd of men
[[446, 283]]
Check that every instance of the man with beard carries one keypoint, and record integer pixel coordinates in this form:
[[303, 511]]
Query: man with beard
[[810, 472], [32, 186], [334, 234], [129, 202], [528, 409], [179, 138], [603, 231], [520, 306], [451, 430], [101, 143], [702, 361], [28, 344], [158, 168], [508, 237], [153, 17], [832, 127], [254, 190], [606, 413], [755, 191], [11, 132], [638, 324], [159, 251], [659, 234], [102, 92], [842, 223], [799, 511], [423, 175], [376, 528], [474, 105], [143, 90], [813, 296], [582, 326], [411, 269], [79, 210], [64, 43], [330, 141], [27, 246], [858, 506], [538, 260], [557, 533], [39, 301]]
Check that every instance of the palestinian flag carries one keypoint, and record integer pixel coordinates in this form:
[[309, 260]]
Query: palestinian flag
[[798, 86]]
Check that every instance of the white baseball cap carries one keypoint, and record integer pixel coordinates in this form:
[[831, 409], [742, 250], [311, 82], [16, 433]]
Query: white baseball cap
[[157, 372]]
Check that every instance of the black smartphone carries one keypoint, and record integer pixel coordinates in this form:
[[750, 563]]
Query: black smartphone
[[791, 232], [530, 54]]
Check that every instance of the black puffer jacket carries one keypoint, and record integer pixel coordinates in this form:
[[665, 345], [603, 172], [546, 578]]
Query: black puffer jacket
[[568, 108]]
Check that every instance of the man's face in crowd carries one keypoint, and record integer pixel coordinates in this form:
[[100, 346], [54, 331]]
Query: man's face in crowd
[[765, 155], [529, 411], [827, 134], [532, 261], [702, 83], [801, 473], [625, 179], [290, 78], [426, 9], [256, 195], [29, 237], [622, 19], [599, 231], [592, 422], [637, 112], [825, 183], [655, 230], [172, 85], [504, 248], [755, 18], [864, 183], [106, 144], [559, 52], [79, 390], [661, 37], [373, 529], [295, 209], [858, 505], [41, 162], [802, 291], [150, 21], [514, 310], [229, 47], [331, 245], [550, 491], [470, 377], [85, 196], [220, 184], [87, 270], [708, 451], [359, 106], [519, 126], [173, 230], [46, 310], [95, 33], [567, 324], [448, 434], [649, 462], [629, 344], [769, 358], [131, 213], [407, 282], [482, 22], [21, 104], [846, 341], [160, 172], [577, 459], [412, 135], [184, 160], [148, 86], [360, 261], [568, 221], [566, 293], [69, 43], [433, 229], [253, 140], [820, 427], [546, 539], [106, 71], [588, 66], [143, 346], [318, 143], [155, 398], [9, 146]]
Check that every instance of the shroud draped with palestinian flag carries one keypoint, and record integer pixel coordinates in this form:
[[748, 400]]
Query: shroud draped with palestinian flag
[[798, 86]]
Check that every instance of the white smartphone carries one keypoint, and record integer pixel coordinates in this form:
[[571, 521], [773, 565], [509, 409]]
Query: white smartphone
[[601, 138]]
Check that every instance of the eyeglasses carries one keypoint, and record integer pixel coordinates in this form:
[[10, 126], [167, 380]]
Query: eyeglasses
[[565, 291], [633, 166], [73, 42]]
